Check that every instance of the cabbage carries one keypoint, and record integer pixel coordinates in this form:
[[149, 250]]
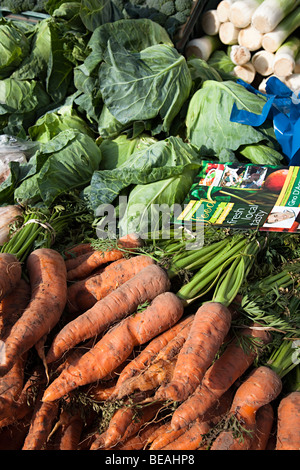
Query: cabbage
[[14, 46]]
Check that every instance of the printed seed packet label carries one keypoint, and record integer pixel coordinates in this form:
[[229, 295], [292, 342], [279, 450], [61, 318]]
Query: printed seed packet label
[[244, 196]]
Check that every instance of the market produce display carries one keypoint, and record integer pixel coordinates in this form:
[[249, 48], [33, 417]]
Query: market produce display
[[121, 332], [252, 40]]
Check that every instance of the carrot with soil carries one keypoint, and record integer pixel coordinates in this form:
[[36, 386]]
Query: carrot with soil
[[11, 386], [262, 386], [11, 271], [212, 320], [144, 359], [117, 344], [42, 420], [143, 287], [82, 295], [47, 274], [161, 369], [288, 430], [237, 357], [12, 307], [125, 423], [99, 257], [264, 422]]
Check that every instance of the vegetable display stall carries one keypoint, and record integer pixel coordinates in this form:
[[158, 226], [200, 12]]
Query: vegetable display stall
[[117, 333]]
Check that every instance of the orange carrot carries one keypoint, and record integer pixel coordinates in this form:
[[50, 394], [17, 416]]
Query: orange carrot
[[179, 437], [210, 326], [262, 386], [288, 430], [220, 376], [125, 423], [73, 263], [76, 250], [23, 406], [264, 423], [162, 428], [12, 436], [83, 294], [191, 439], [11, 271], [161, 369], [12, 307], [100, 257], [43, 417], [101, 391], [70, 427], [139, 440], [123, 301], [47, 275], [11, 386], [166, 436], [117, 344], [139, 363]]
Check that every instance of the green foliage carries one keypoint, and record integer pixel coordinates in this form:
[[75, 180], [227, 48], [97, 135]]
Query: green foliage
[[18, 6], [171, 14]]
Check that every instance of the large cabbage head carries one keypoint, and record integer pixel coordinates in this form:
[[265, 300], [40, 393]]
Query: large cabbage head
[[14, 47]]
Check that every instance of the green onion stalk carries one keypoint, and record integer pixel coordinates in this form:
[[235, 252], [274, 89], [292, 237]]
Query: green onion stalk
[[226, 271], [181, 252], [39, 229], [285, 358]]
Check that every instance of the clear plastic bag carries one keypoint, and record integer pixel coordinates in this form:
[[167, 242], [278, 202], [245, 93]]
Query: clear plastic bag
[[14, 149]]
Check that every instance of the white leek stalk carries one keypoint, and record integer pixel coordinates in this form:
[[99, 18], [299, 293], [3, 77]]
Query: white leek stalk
[[202, 47], [239, 55], [210, 22], [251, 38], [285, 57], [246, 72], [293, 82], [273, 40], [263, 62], [223, 9], [228, 33], [271, 12], [241, 11]]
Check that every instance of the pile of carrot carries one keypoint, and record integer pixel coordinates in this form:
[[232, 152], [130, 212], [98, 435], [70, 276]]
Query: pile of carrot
[[98, 352]]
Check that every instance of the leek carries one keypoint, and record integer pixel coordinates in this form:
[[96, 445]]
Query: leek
[[273, 40], [293, 82], [245, 72], [285, 57], [263, 62], [251, 38], [240, 13], [239, 55], [202, 47], [223, 10], [228, 33], [272, 12], [210, 22]]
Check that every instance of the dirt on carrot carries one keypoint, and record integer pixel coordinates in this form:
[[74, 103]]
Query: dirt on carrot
[[237, 357], [117, 344], [261, 387], [47, 274], [123, 301], [143, 360], [288, 432], [82, 295], [88, 262], [11, 271], [210, 326]]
